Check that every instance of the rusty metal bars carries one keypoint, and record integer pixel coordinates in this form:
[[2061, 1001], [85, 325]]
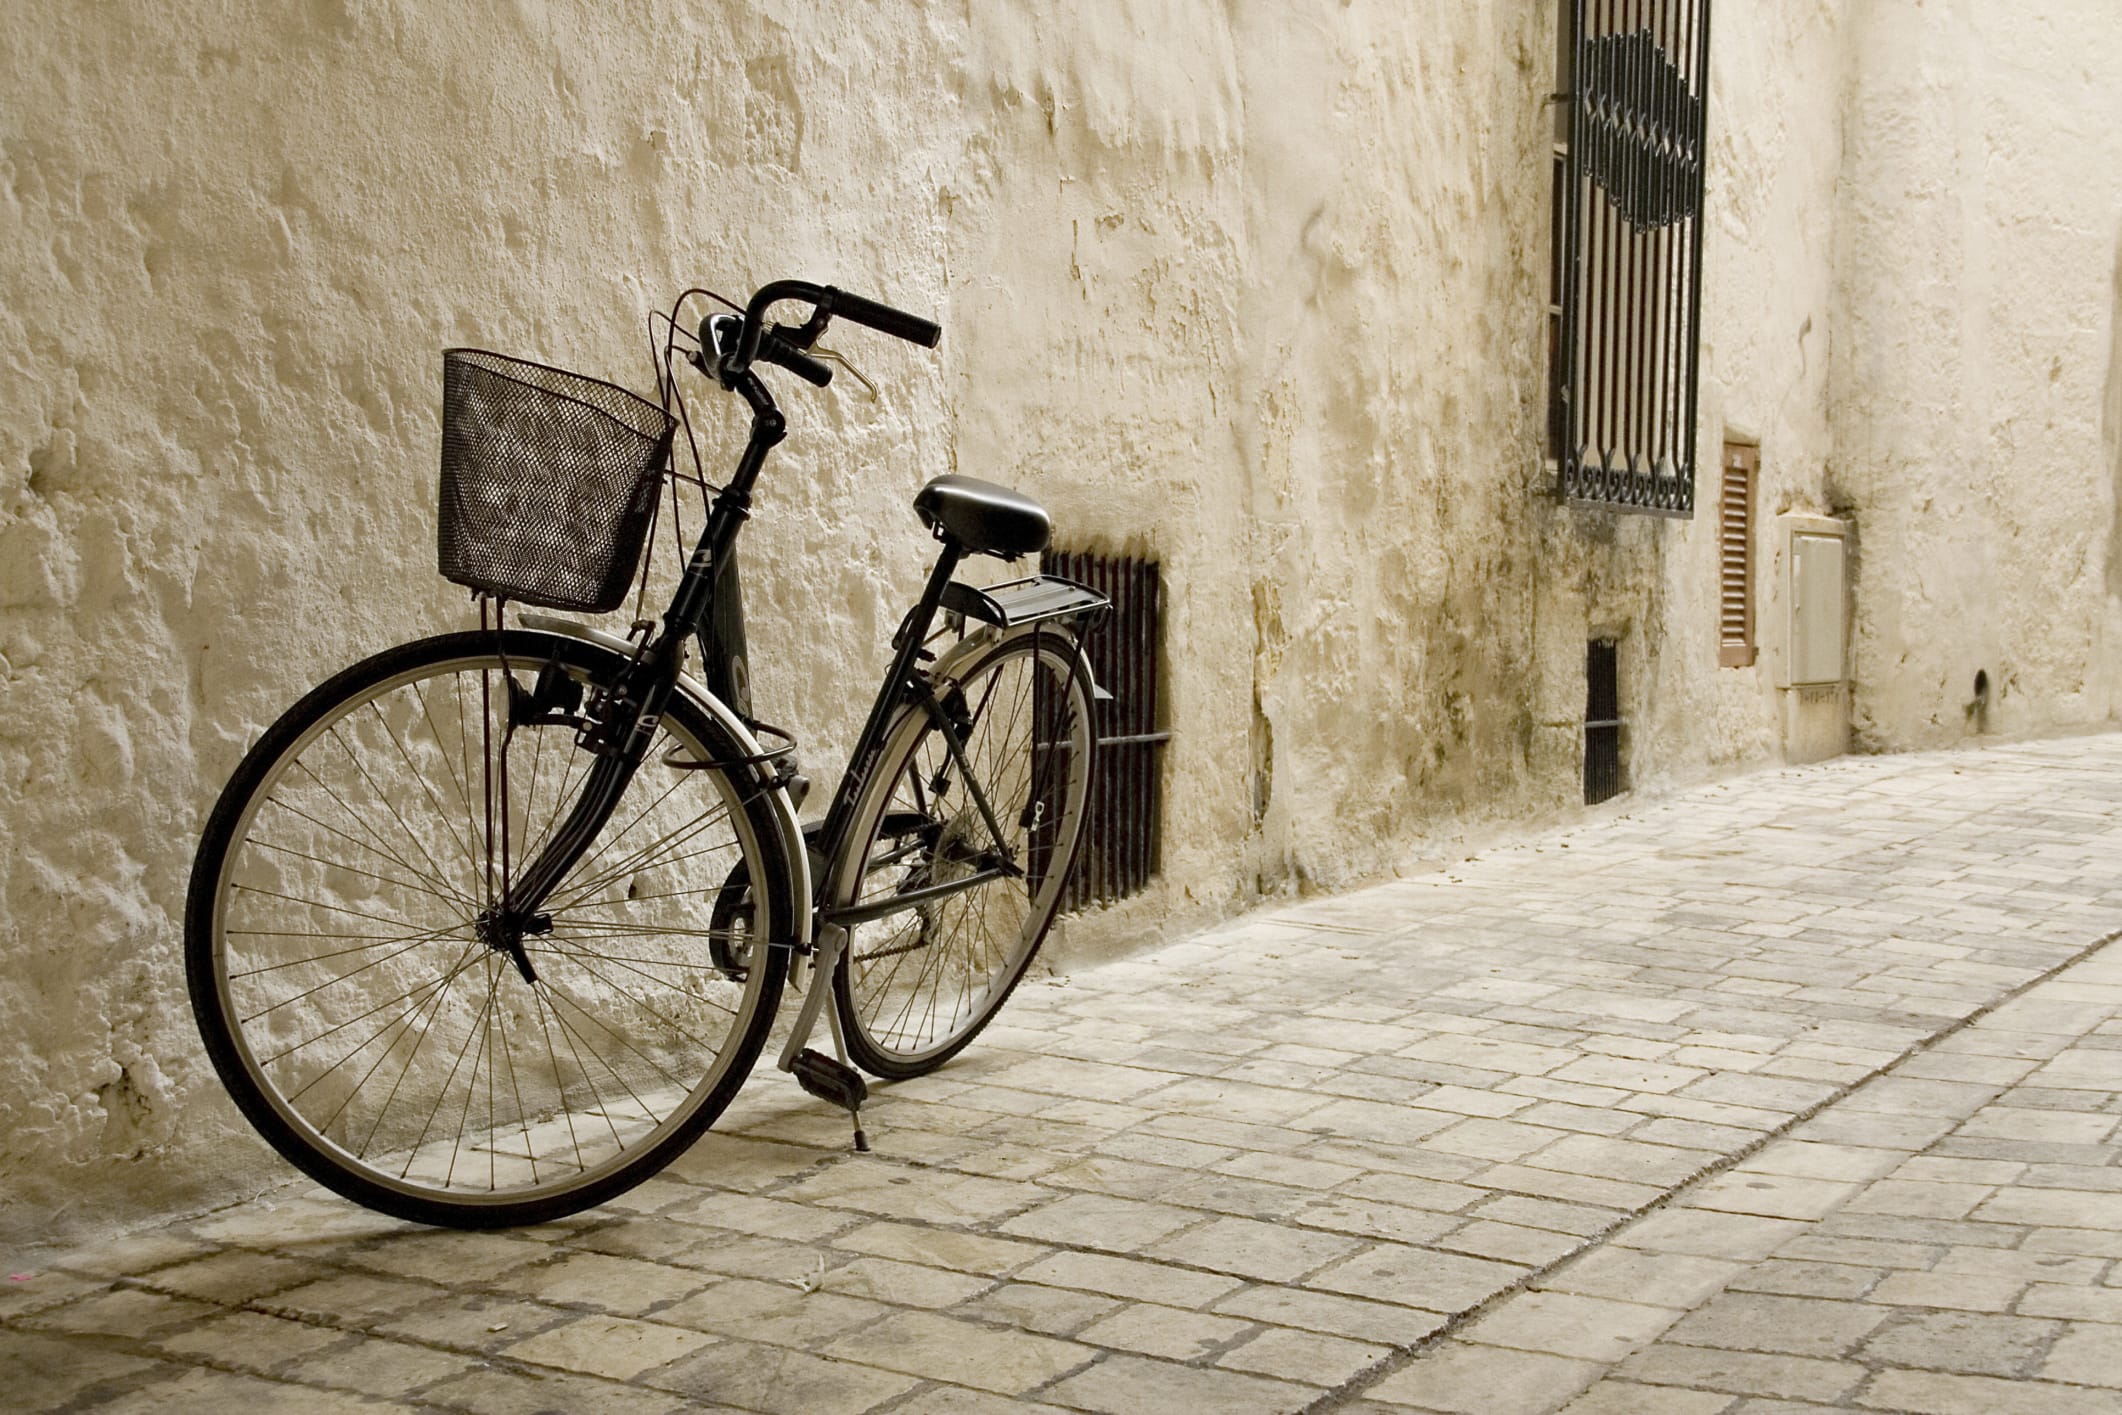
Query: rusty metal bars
[[1121, 841]]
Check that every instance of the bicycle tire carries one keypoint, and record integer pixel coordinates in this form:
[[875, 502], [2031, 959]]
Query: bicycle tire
[[319, 902], [1030, 744]]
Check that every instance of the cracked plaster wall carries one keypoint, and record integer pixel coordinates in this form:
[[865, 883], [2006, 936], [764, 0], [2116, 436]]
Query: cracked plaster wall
[[1255, 289]]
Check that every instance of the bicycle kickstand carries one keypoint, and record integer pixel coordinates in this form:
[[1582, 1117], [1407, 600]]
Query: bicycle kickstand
[[822, 1076]]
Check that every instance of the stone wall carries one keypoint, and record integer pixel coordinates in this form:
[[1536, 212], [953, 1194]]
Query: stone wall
[[1255, 289], [1978, 244]]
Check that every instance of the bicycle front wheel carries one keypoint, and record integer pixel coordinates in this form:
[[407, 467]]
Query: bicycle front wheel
[[360, 1004], [918, 982]]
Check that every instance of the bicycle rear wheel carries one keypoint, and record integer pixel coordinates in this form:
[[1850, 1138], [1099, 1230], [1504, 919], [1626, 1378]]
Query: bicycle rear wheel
[[378, 1034], [916, 985]]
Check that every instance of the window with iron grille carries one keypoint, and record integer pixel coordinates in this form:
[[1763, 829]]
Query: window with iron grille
[[1120, 844], [1602, 721], [1624, 319], [1735, 556]]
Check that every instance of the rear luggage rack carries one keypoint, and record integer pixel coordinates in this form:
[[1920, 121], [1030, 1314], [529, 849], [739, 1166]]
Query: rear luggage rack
[[1024, 601]]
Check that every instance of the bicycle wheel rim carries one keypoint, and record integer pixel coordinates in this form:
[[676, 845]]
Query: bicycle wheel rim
[[575, 1108], [916, 987]]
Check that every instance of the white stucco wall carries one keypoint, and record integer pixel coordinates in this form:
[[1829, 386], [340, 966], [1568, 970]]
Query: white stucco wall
[[1256, 289], [1979, 238]]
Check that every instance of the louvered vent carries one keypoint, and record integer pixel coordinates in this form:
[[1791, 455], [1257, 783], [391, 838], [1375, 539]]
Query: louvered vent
[[1735, 557]]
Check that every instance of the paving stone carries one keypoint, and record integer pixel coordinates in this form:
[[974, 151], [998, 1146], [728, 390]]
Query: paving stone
[[1485, 1380], [1967, 1342], [251, 1340], [1535, 1247], [202, 1392], [1256, 1250], [1568, 1324], [1304, 1356], [1123, 1384], [1101, 1221], [1418, 1277], [887, 1190], [1582, 1220], [474, 1323], [2077, 1304], [938, 1247], [439, 1256], [1936, 1394], [1921, 1198], [388, 1369], [1709, 1234], [1797, 1326], [351, 1299], [1616, 1397], [1744, 1372], [616, 1348], [128, 1310], [1124, 1277], [1772, 1195], [1658, 1279], [1055, 1311], [751, 1376], [1793, 1278], [44, 1372], [1169, 1332], [901, 1284], [1627, 1160], [934, 1399], [772, 1312], [962, 1353], [233, 1278], [1954, 1291], [1330, 1313], [2088, 1356]]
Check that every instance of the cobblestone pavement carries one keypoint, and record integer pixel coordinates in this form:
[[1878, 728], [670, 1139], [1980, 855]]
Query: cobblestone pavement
[[1709, 1107]]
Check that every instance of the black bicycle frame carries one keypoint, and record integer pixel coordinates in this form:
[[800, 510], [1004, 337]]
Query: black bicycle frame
[[708, 606]]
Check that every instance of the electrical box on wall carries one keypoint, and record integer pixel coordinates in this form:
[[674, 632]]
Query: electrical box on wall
[[1809, 609], [1817, 599], [1809, 602]]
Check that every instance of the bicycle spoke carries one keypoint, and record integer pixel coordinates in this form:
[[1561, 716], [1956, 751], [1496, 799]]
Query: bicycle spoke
[[345, 977], [419, 776], [355, 869], [435, 883]]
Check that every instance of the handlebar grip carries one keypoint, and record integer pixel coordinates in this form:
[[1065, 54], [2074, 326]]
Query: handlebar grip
[[897, 323], [780, 353]]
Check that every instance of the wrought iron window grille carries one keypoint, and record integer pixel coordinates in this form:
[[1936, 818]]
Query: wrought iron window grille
[[1625, 315], [1123, 837]]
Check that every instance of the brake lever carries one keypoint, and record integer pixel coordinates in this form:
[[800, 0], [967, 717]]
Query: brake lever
[[834, 356]]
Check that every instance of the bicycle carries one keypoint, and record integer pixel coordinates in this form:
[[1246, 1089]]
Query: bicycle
[[490, 926]]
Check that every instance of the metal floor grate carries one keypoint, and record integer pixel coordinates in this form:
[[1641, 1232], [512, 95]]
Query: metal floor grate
[[1120, 847]]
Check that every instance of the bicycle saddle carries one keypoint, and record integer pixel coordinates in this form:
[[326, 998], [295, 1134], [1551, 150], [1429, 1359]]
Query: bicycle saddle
[[983, 517]]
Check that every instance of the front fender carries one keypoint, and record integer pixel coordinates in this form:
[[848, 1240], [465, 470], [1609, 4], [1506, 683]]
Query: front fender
[[794, 892]]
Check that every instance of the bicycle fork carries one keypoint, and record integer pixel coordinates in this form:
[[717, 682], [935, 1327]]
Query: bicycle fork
[[627, 727]]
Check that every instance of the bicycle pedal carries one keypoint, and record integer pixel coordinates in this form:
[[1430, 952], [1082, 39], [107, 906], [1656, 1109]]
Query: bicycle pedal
[[828, 1080]]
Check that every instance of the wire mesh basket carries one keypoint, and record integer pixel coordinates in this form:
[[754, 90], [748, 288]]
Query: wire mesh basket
[[549, 481]]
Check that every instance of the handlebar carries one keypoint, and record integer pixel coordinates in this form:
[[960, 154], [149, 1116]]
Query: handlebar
[[784, 347]]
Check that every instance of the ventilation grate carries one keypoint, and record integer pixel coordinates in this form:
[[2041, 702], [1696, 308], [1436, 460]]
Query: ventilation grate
[[1120, 844], [1602, 721], [1735, 557]]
